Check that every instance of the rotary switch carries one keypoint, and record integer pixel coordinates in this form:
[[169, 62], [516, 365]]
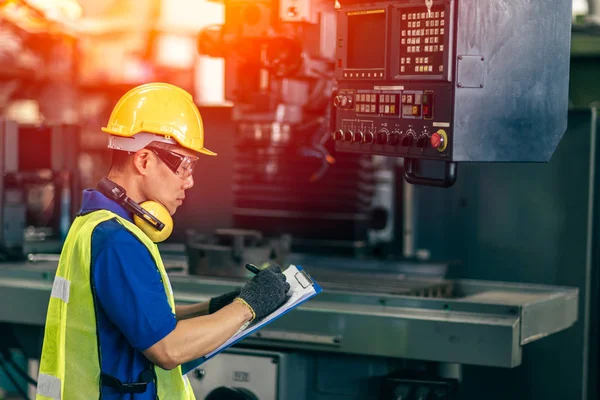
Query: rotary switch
[[407, 140], [369, 137], [393, 138], [342, 101], [358, 137], [382, 136], [422, 141], [338, 135]]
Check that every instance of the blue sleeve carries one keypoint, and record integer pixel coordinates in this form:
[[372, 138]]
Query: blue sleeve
[[128, 286]]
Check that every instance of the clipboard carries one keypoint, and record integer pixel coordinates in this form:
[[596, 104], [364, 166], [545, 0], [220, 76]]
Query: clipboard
[[302, 289]]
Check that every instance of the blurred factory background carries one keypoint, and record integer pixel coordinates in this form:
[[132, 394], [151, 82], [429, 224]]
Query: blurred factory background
[[485, 289]]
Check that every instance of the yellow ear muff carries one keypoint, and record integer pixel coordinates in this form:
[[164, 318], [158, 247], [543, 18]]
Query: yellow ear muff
[[162, 214]]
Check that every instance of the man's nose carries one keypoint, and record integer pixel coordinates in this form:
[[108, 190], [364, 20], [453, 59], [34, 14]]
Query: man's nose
[[188, 183]]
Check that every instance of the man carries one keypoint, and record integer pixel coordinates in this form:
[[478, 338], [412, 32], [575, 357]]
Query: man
[[113, 330]]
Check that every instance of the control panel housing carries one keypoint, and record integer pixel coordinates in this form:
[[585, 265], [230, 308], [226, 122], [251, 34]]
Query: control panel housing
[[452, 80]]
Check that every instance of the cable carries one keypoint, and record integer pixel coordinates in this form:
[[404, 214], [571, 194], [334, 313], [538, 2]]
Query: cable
[[13, 380]]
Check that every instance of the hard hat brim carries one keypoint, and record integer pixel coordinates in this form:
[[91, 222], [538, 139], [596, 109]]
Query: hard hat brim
[[207, 152]]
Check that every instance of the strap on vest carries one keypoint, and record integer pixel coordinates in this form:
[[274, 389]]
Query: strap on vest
[[146, 376]]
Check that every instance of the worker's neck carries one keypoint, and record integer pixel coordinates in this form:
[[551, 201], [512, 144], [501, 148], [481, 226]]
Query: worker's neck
[[130, 184]]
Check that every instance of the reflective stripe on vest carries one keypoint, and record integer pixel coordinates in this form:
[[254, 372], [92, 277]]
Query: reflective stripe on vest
[[70, 361]]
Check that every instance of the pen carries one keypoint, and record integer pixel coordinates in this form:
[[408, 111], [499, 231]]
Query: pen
[[252, 268]]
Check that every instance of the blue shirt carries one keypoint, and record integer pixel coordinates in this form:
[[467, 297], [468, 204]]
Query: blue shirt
[[132, 310]]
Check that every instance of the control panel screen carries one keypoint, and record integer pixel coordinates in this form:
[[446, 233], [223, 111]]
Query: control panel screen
[[366, 39], [422, 41]]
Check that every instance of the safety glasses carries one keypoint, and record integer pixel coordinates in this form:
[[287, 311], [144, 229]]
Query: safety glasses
[[182, 166]]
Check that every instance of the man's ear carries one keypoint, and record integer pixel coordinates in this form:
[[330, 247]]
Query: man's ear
[[142, 161]]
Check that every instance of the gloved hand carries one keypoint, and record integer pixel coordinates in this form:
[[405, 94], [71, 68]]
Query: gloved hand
[[218, 302], [265, 292]]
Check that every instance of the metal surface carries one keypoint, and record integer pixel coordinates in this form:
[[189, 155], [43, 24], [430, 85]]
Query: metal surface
[[381, 283], [226, 252], [591, 355], [528, 223], [470, 72], [520, 114], [587, 295], [468, 329], [409, 220], [267, 375], [594, 8], [40, 184], [2, 168], [12, 210]]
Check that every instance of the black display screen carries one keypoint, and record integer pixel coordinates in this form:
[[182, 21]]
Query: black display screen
[[366, 39]]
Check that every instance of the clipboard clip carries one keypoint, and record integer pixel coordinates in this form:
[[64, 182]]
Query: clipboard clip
[[303, 279]]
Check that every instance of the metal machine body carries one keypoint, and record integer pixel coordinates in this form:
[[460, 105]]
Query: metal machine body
[[379, 310], [279, 74], [39, 188], [12, 207], [482, 323], [453, 81], [489, 97], [251, 375]]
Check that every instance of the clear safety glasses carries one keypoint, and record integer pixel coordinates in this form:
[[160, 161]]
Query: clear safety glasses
[[182, 166]]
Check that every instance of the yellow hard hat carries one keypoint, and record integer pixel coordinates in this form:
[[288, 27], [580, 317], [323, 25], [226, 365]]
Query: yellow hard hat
[[156, 112]]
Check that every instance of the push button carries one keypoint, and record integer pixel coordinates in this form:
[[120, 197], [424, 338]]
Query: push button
[[436, 140], [428, 105], [439, 140]]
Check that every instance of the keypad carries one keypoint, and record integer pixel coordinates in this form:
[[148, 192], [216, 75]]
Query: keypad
[[377, 103], [422, 41]]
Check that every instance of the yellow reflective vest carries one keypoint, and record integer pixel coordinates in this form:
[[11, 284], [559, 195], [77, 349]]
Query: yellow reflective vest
[[70, 365]]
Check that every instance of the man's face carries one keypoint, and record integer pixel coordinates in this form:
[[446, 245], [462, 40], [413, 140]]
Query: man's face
[[164, 185]]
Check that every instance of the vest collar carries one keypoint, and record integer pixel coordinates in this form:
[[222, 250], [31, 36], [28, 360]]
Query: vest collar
[[93, 200]]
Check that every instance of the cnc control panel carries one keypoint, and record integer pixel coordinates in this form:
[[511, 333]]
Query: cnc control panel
[[380, 109], [451, 80], [394, 121]]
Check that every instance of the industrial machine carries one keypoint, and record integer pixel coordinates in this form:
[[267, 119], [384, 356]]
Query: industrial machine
[[251, 375], [39, 187], [321, 91], [453, 81], [279, 74], [367, 325]]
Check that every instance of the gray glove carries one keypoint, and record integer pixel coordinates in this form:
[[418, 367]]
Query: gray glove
[[266, 291]]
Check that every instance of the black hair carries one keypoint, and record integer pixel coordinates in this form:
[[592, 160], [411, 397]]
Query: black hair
[[119, 160]]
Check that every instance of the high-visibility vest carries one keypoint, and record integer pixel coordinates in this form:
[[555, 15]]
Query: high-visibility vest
[[70, 362]]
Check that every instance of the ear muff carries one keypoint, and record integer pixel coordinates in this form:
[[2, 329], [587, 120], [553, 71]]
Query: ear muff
[[151, 217], [145, 224]]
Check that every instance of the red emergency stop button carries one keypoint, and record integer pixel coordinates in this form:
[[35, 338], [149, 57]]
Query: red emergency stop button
[[436, 140], [439, 140]]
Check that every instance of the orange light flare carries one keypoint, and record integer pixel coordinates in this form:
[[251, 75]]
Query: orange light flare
[[40, 16]]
